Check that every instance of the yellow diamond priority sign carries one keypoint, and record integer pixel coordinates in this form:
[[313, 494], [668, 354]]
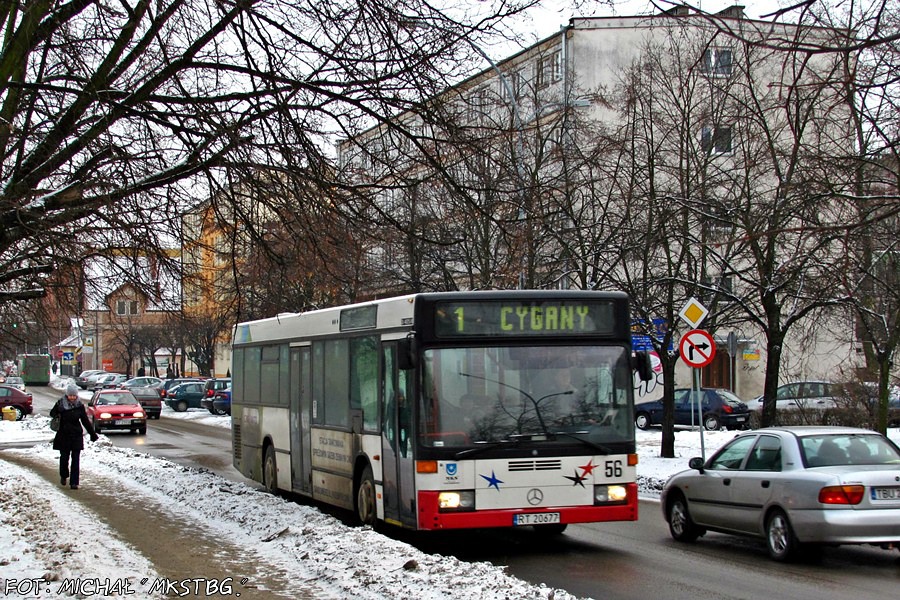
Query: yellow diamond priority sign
[[693, 313]]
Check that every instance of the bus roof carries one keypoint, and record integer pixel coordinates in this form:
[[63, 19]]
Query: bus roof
[[386, 314]]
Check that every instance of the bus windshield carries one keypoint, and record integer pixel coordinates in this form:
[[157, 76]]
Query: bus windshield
[[480, 395]]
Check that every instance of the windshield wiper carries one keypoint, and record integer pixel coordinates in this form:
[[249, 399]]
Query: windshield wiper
[[536, 403], [482, 446]]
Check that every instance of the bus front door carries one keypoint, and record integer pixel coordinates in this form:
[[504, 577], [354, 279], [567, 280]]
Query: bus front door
[[396, 440]]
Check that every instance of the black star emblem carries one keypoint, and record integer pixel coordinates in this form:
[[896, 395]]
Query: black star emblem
[[577, 480]]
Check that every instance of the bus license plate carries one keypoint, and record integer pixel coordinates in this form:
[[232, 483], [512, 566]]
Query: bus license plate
[[536, 518], [886, 493]]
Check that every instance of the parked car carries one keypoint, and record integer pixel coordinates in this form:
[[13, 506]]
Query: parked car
[[186, 395], [168, 384], [150, 399], [213, 386], [797, 488], [894, 408], [20, 401], [805, 395], [83, 378], [720, 408], [116, 409], [222, 402], [107, 381], [140, 382], [16, 382]]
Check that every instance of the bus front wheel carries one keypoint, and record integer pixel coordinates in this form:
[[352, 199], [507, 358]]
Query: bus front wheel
[[270, 471], [365, 498]]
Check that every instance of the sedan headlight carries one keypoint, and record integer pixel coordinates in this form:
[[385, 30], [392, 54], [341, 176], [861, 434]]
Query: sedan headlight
[[138, 415], [456, 501], [105, 415], [610, 494]]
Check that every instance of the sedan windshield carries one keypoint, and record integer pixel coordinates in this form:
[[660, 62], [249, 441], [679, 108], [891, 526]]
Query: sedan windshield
[[479, 395], [116, 399]]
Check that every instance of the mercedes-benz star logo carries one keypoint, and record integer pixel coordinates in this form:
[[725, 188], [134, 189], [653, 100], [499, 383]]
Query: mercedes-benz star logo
[[535, 496]]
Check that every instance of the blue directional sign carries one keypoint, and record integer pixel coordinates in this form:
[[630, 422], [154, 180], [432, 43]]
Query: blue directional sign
[[641, 342]]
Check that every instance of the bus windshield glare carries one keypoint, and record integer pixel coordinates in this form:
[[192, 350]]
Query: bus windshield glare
[[506, 393]]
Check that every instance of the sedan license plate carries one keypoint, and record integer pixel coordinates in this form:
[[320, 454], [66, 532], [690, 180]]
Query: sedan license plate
[[886, 493], [741, 419], [123, 421], [536, 518]]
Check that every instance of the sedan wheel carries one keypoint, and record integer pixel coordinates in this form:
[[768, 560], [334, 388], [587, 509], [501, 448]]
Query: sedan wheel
[[642, 421], [181, 406], [780, 538], [96, 428], [712, 423], [20, 414], [681, 526]]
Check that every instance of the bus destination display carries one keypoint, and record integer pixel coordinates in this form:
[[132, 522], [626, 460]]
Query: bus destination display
[[510, 318]]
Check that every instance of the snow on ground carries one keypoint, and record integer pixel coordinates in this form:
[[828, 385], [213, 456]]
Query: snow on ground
[[314, 547]]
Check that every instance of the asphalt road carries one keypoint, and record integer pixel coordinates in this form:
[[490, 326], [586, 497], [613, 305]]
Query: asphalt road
[[612, 561]]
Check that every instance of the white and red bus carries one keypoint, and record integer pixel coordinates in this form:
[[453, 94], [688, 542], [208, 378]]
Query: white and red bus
[[445, 410]]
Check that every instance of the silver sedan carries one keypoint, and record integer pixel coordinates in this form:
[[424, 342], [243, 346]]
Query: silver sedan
[[799, 488]]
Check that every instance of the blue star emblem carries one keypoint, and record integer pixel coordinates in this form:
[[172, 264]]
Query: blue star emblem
[[493, 482]]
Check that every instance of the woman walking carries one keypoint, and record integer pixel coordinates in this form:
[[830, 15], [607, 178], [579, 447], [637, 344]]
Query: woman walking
[[69, 438]]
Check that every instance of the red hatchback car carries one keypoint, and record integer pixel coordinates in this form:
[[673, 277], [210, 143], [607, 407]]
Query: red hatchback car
[[20, 401], [116, 409]]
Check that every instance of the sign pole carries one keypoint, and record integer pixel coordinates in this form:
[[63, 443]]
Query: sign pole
[[697, 349], [700, 411]]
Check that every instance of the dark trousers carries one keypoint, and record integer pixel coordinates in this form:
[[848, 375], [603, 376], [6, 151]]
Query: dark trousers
[[66, 472]]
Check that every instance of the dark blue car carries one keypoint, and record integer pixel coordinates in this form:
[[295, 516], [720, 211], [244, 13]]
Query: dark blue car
[[720, 408], [222, 402]]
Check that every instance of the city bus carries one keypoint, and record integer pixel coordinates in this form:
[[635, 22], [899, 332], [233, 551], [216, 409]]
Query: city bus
[[34, 369], [451, 410]]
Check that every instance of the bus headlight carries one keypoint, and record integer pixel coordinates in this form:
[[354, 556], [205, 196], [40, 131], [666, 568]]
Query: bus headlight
[[610, 494], [454, 501]]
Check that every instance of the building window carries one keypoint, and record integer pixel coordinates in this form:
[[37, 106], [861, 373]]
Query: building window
[[717, 62], [716, 140], [513, 82], [549, 69], [126, 307]]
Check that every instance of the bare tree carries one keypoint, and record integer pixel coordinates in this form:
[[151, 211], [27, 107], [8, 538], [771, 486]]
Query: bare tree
[[114, 117]]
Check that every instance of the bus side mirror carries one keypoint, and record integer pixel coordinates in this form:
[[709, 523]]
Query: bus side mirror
[[406, 354], [643, 365]]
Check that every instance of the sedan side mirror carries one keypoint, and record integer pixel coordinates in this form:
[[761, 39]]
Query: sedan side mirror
[[696, 463]]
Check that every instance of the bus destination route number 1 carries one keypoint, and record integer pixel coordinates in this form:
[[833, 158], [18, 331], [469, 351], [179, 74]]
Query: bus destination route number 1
[[512, 319]]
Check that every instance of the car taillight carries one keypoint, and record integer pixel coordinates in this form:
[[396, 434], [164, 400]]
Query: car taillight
[[727, 409], [841, 494]]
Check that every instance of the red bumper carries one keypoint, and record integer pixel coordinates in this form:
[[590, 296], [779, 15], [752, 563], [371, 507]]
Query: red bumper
[[431, 519]]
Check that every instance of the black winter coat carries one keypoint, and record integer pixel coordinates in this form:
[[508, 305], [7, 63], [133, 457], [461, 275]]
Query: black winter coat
[[70, 436]]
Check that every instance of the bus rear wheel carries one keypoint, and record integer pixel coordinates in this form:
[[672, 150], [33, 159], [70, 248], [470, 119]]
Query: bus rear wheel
[[270, 471], [366, 511]]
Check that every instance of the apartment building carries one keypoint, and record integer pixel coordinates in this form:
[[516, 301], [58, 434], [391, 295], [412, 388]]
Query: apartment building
[[528, 174]]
